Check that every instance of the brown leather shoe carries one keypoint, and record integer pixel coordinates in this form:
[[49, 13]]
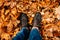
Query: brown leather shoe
[[37, 19], [23, 19]]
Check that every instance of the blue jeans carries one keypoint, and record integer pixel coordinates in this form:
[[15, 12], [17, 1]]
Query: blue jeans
[[24, 35]]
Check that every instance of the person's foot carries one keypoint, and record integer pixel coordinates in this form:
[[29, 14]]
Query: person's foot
[[37, 19], [24, 20]]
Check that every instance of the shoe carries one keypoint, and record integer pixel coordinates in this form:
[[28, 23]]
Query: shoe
[[37, 20], [23, 19]]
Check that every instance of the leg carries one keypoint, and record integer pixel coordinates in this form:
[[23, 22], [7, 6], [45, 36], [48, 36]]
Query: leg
[[35, 35], [22, 35]]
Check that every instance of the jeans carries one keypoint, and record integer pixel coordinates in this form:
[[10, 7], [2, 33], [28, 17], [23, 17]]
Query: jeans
[[24, 34]]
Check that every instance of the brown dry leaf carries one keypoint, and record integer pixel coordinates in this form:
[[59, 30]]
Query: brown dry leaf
[[13, 4], [7, 11], [3, 16], [33, 5], [30, 20], [15, 32], [5, 36], [58, 23], [56, 33], [5, 23], [2, 11], [7, 3], [1, 2], [49, 34], [14, 11], [10, 26]]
